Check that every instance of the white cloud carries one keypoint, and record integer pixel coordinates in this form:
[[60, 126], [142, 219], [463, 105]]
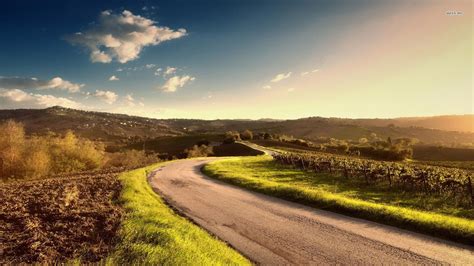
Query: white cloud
[[158, 71], [291, 89], [267, 87], [22, 83], [281, 76], [172, 84], [122, 36], [150, 66], [129, 97], [131, 102], [16, 98], [309, 72], [170, 70], [107, 96], [113, 78], [100, 57]]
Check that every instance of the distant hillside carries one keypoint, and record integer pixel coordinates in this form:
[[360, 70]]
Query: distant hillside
[[93, 125], [461, 123], [118, 127]]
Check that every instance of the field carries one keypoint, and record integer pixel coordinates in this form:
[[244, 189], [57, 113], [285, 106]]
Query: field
[[426, 153], [447, 184], [172, 147], [59, 219], [101, 216], [235, 149], [405, 209], [152, 234], [434, 153], [468, 165]]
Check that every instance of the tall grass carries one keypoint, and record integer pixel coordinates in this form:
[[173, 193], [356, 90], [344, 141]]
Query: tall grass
[[153, 234]]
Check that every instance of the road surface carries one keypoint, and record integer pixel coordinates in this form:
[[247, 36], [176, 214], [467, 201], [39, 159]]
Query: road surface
[[272, 231]]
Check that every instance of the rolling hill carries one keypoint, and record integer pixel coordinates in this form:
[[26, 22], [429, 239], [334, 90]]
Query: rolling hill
[[119, 127]]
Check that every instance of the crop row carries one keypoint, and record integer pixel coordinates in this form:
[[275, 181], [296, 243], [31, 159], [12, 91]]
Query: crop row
[[451, 182]]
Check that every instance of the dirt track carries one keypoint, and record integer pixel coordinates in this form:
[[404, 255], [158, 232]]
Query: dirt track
[[273, 231]]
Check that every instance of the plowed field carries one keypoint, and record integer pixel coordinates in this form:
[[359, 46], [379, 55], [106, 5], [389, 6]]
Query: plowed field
[[58, 219]]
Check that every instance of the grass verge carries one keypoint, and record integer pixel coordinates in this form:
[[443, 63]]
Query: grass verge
[[331, 193], [152, 234]]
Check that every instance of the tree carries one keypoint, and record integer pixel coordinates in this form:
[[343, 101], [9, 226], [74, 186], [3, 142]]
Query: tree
[[247, 135], [267, 136], [12, 142], [37, 161], [231, 137]]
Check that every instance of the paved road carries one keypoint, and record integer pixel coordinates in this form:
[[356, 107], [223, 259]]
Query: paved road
[[273, 231]]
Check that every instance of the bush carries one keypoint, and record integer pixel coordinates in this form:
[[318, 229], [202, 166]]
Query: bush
[[12, 146], [231, 137], [39, 156], [247, 135], [198, 151], [71, 154], [37, 161], [130, 159]]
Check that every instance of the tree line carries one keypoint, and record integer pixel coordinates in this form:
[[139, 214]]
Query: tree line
[[37, 156]]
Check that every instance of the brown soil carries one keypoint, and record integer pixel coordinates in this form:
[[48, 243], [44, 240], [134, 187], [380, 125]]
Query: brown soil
[[58, 219]]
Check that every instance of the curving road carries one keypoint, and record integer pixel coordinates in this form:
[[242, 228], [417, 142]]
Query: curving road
[[273, 231]]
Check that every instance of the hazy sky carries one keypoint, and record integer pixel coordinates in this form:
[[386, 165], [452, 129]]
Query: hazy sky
[[239, 59]]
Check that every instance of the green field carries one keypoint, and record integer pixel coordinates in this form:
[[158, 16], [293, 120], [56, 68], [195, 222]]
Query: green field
[[152, 234], [390, 206]]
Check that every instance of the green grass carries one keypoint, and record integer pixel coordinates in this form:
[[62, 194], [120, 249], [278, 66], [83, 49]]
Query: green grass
[[381, 204], [152, 234]]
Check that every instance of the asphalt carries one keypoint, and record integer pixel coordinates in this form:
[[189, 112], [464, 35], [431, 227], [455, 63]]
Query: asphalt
[[272, 231]]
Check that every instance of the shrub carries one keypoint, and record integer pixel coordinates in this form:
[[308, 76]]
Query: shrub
[[71, 154], [130, 159], [37, 160], [42, 155], [198, 151], [246, 135], [231, 137], [12, 144]]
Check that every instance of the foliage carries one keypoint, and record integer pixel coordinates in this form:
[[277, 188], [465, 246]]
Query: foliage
[[130, 159], [231, 137], [152, 234], [198, 151], [246, 135], [348, 196], [12, 146], [39, 156]]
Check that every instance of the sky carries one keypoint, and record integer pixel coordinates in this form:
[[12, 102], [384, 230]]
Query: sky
[[245, 59]]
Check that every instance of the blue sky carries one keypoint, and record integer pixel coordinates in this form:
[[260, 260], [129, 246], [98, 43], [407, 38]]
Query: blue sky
[[222, 56]]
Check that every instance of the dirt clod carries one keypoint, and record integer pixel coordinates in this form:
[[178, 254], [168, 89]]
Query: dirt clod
[[57, 219]]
